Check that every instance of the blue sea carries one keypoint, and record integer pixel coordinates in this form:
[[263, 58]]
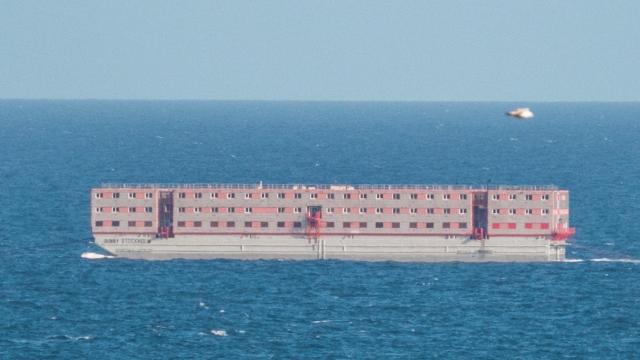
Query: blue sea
[[56, 305]]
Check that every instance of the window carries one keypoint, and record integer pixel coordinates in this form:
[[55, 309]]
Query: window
[[214, 195], [346, 196], [132, 209], [197, 224], [247, 224], [115, 209], [215, 210], [463, 196], [396, 196], [396, 210], [331, 224], [231, 196], [363, 210], [197, 195], [430, 196], [512, 211], [213, 224], [115, 195], [148, 195], [395, 225], [132, 195], [446, 196], [413, 225], [495, 226], [495, 197], [297, 210], [231, 210], [379, 196], [346, 210], [544, 226], [197, 209], [182, 195], [379, 225], [248, 195], [297, 224], [297, 196], [545, 212], [313, 196], [446, 225], [98, 209], [148, 224], [446, 211], [512, 225], [528, 225], [264, 224], [181, 223], [98, 223], [528, 211], [346, 224], [281, 195], [231, 224], [264, 195], [148, 209], [181, 209], [512, 196], [331, 196], [115, 223], [281, 210], [414, 196], [363, 196], [462, 211], [379, 210], [528, 197], [495, 211], [280, 224], [248, 210], [431, 211], [99, 196], [414, 211], [462, 225], [363, 225], [329, 210], [545, 197], [429, 225]]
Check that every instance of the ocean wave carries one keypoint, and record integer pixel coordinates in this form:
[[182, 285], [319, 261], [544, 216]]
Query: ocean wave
[[631, 261]]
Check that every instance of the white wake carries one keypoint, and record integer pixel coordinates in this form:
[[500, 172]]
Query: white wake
[[95, 256]]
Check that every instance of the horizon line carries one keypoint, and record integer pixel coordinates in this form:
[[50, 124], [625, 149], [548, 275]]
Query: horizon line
[[315, 101]]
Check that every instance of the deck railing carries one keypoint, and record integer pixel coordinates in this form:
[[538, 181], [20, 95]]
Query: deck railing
[[336, 187]]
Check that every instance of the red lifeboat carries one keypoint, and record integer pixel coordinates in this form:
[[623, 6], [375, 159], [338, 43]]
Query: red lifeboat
[[562, 234]]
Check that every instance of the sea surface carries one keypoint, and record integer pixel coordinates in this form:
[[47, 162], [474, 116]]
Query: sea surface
[[56, 305]]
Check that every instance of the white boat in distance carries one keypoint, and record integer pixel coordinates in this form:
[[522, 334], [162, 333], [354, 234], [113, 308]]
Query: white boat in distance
[[521, 113]]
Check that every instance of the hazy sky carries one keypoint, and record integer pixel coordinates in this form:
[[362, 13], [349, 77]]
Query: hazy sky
[[321, 50]]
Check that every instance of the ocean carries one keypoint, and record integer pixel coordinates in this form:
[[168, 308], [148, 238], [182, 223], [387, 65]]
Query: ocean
[[56, 305]]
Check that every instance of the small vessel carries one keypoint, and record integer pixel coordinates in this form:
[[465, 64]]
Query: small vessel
[[521, 113]]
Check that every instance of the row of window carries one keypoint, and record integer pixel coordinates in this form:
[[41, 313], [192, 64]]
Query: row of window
[[528, 197], [131, 195], [346, 196], [147, 209], [116, 223], [330, 210], [514, 211], [512, 226], [329, 224], [329, 196]]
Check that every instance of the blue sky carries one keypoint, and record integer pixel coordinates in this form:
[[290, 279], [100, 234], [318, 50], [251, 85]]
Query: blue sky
[[321, 50]]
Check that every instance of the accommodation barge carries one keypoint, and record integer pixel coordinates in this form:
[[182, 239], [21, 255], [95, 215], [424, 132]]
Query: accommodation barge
[[358, 222]]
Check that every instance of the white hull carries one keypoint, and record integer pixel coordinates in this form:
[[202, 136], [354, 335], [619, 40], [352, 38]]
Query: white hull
[[357, 247]]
